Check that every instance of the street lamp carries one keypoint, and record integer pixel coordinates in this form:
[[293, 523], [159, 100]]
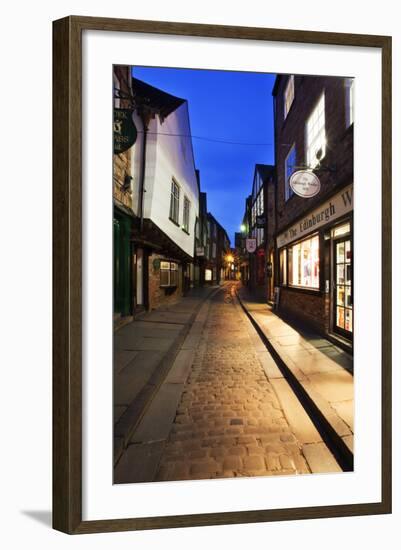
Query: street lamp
[[229, 258], [243, 228]]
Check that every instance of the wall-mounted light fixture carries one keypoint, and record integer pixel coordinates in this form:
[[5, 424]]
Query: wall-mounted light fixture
[[127, 182]]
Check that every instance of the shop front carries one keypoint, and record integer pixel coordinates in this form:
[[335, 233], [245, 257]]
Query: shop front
[[316, 270]]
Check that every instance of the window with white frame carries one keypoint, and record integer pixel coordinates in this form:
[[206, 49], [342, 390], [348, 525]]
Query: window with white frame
[[174, 201], [117, 87], [260, 236], [349, 101], [283, 266], [185, 220], [260, 202], [168, 274], [289, 168], [316, 135], [288, 95]]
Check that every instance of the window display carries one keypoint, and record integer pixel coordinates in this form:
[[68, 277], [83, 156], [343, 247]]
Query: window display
[[168, 274], [283, 266], [304, 263]]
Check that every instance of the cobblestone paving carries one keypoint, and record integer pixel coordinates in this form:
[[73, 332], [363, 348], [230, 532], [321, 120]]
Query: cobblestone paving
[[229, 422]]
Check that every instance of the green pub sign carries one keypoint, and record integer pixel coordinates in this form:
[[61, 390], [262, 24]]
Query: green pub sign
[[124, 130]]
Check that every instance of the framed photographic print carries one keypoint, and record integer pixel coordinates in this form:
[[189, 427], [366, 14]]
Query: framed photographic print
[[222, 274]]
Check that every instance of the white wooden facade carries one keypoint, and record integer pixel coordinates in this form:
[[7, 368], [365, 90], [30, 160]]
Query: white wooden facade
[[169, 156]]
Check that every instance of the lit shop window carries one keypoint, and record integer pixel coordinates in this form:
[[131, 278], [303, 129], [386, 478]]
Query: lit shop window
[[349, 101], [343, 257], [116, 83], [316, 135], [260, 202], [208, 274], [185, 224], [260, 236], [174, 201], [304, 263], [290, 163], [168, 274], [283, 266], [288, 95]]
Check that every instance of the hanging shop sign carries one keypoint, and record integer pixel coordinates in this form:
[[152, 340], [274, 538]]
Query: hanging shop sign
[[124, 130], [305, 183], [260, 252], [250, 245], [260, 221], [200, 250], [156, 264], [330, 210]]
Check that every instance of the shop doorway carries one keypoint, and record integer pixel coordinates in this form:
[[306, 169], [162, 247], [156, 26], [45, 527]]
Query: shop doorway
[[121, 266], [139, 272], [270, 277], [342, 285]]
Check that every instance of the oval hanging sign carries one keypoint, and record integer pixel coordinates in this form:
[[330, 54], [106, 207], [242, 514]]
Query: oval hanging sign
[[305, 183], [124, 130]]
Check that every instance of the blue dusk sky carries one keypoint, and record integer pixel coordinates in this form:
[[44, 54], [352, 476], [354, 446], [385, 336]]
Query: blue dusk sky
[[231, 107]]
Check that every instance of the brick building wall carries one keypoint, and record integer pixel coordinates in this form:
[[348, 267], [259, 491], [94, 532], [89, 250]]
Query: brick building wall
[[270, 210], [123, 291], [339, 148], [159, 296], [311, 307], [306, 308]]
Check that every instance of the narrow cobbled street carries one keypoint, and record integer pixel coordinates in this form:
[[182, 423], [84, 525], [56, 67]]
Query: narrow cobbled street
[[229, 421], [233, 294]]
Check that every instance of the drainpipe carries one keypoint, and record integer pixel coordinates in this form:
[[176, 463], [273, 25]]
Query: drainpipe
[[276, 273], [143, 161]]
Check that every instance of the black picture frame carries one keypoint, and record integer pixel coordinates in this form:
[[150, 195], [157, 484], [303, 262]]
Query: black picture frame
[[67, 273]]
